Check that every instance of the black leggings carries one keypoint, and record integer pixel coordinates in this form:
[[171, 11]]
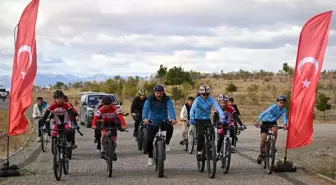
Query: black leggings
[[152, 130], [200, 132]]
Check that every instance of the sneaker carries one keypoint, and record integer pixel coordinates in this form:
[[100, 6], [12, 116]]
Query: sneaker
[[102, 155], [38, 139], [259, 159], [182, 142], [135, 134], [167, 148], [98, 147], [150, 162], [114, 157], [199, 156]]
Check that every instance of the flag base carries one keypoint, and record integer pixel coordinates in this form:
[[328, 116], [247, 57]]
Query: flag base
[[286, 166], [9, 171]]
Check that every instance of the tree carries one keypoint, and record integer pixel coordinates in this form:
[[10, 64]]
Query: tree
[[177, 76], [288, 69], [59, 85], [161, 73], [322, 103], [231, 88], [177, 94], [148, 86]]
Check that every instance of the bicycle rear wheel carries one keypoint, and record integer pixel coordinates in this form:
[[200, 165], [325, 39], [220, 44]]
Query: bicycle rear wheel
[[110, 153], [144, 140], [57, 163], [211, 159], [270, 155], [226, 160]]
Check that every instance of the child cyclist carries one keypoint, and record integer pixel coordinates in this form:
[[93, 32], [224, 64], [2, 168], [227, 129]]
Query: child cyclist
[[110, 114], [230, 114]]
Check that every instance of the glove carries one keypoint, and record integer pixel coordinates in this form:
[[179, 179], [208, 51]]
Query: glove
[[75, 127], [192, 121], [243, 127]]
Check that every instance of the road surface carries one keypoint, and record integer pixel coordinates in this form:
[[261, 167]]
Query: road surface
[[180, 167], [4, 105]]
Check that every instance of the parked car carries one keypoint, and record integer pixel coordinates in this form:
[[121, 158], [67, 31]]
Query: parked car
[[3, 94], [88, 106]]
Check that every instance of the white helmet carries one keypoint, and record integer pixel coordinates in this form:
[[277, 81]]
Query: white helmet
[[222, 97], [204, 89]]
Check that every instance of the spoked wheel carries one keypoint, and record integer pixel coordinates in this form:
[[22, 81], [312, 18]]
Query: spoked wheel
[[144, 140], [160, 158], [110, 153], [211, 159], [43, 140], [191, 141], [57, 163], [226, 158], [139, 139], [201, 163], [66, 160], [270, 156]]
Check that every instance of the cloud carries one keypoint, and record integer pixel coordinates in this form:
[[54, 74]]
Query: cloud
[[134, 37]]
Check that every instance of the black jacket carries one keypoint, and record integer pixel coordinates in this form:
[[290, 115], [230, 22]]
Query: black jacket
[[137, 105]]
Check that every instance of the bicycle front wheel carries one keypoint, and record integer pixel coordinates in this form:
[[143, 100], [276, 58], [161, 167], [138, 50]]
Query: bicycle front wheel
[[270, 155], [191, 141], [160, 158], [226, 160], [211, 158], [57, 163]]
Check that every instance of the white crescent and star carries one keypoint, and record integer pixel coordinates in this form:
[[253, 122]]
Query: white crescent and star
[[305, 61], [24, 48]]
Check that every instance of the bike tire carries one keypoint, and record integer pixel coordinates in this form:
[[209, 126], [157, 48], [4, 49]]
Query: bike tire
[[226, 160], [53, 141], [57, 163], [160, 158], [235, 136], [201, 164], [270, 156], [110, 152], [211, 159], [139, 139], [191, 141], [43, 146], [144, 140], [66, 160]]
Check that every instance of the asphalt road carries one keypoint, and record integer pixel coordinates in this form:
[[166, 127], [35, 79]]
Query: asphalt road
[[4, 105], [180, 167]]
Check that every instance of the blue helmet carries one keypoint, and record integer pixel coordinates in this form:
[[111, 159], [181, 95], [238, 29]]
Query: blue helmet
[[281, 98], [159, 88]]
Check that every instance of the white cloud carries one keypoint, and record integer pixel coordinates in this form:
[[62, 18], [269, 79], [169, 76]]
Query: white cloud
[[133, 37]]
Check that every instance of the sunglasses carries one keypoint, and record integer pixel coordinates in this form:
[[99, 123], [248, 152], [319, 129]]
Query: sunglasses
[[205, 94]]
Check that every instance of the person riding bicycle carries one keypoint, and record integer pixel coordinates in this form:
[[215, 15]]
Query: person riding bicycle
[[185, 117], [39, 109], [110, 115], [269, 117], [230, 115], [136, 108], [156, 109], [63, 113], [200, 115], [238, 120], [97, 133], [76, 115]]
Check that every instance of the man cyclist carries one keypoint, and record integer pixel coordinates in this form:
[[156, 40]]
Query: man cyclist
[[110, 115], [200, 115], [63, 113], [97, 133], [230, 114], [185, 117], [270, 117], [136, 110], [156, 109]]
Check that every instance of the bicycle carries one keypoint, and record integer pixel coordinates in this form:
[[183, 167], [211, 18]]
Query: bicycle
[[61, 150], [110, 146], [192, 141], [141, 135], [159, 149], [208, 151], [45, 134], [269, 149], [225, 153]]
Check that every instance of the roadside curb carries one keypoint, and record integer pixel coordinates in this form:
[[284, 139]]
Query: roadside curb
[[31, 155]]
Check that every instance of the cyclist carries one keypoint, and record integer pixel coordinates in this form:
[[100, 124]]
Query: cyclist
[[97, 133], [76, 115], [39, 109], [185, 117], [270, 117], [237, 119], [200, 115], [110, 114], [136, 108], [63, 113], [156, 108], [230, 115]]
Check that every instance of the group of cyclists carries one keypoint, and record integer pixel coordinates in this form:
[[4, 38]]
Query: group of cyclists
[[155, 108]]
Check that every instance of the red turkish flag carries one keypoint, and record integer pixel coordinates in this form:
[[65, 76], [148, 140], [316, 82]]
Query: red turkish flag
[[24, 70], [312, 45]]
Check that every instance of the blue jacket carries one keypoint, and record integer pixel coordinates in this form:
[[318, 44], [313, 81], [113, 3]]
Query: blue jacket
[[157, 110], [272, 114], [201, 108]]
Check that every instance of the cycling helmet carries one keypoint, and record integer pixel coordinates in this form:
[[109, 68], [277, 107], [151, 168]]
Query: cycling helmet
[[142, 92], [159, 88], [58, 94], [220, 97], [231, 99], [107, 100], [281, 98], [204, 89]]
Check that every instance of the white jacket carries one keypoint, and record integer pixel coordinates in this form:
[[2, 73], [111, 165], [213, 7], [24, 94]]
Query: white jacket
[[36, 111], [184, 113]]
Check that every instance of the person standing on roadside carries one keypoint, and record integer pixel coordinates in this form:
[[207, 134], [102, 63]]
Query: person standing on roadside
[[38, 111]]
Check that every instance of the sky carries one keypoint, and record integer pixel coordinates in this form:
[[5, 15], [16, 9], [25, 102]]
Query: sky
[[133, 37]]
